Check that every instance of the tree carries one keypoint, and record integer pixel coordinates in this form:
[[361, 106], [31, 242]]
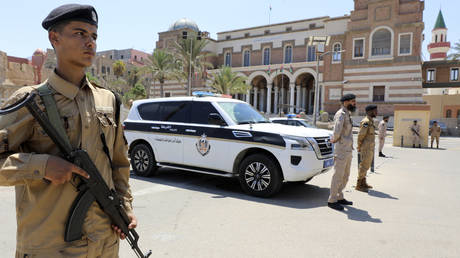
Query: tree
[[133, 76], [225, 81], [136, 92], [119, 68], [92, 78], [162, 66], [456, 54], [198, 59]]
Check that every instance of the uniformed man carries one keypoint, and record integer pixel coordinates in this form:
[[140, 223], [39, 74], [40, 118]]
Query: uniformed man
[[415, 129], [435, 131], [366, 146], [343, 146], [29, 156], [382, 134]]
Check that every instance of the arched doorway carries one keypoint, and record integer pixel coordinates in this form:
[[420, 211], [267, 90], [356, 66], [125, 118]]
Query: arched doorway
[[258, 93], [307, 92], [281, 94]]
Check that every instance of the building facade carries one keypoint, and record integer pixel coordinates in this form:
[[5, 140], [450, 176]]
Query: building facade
[[375, 53]]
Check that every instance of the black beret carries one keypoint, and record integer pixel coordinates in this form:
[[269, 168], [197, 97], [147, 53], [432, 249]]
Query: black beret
[[347, 97], [370, 107], [71, 12]]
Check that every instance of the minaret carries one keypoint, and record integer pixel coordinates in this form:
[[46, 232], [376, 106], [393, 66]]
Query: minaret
[[439, 45]]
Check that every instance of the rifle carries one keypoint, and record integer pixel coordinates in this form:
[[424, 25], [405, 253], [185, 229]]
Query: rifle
[[90, 190], [413, 130]]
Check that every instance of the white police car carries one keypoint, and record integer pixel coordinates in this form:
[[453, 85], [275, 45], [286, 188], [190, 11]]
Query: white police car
[[224, 137]]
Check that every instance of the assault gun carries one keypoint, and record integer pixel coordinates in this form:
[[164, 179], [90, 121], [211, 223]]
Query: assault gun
[[414, 131], [89, 190]]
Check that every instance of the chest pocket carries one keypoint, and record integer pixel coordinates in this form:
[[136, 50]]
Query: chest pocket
[[108, 125]]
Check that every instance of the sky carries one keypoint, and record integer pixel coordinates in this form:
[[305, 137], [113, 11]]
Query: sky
[[136, 23]]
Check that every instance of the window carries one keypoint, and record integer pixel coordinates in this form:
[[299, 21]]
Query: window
[[201, 111], [312, 25], [108, 70], [228, 37], [111, 57], [435, 38], [379, 94], [448, 113], [311, 55], [167, 94], [247, 58], [228, 59], [337, 55], [430, 73], [246, 35], [405, 44], [288, 28], [135, 58], [103, 69], [92, 71], [266, 56], [358, 48], [267, 32], [288, 54], [177, 111], [381, 43], [454, 74], [122, 57]]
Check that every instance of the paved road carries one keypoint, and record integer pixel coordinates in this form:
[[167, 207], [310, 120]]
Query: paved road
[[413, 212]]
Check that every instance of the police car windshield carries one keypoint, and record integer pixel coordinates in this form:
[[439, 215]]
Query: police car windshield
[[242, 113]]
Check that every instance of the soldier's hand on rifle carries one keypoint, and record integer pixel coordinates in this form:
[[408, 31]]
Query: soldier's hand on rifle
[[59, 171], [131, 225]]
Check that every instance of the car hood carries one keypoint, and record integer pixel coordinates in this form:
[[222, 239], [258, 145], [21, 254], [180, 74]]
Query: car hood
[[285, 129]]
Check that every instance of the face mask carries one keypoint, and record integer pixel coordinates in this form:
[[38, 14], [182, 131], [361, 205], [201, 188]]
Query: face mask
[[351, 108]]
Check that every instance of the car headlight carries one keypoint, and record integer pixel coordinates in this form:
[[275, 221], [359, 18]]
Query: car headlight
[[298, 143]]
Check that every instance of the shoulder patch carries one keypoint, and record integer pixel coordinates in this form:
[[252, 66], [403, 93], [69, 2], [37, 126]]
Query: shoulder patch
[[366, 124]]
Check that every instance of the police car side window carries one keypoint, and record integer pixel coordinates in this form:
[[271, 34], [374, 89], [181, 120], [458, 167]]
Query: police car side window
[[150, 111], [177, 111], [201, 111]]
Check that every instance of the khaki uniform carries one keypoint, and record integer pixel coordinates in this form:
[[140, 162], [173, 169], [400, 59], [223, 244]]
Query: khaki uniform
[[435, 131], [382, 134], [42, 208], [415, 137], [366, 145], [343, 153]]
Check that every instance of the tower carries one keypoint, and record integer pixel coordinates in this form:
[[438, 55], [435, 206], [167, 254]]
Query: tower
[[439, 45]]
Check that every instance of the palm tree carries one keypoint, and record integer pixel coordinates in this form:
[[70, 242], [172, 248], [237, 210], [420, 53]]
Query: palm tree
[[227, 82], [119, 68], [456, 54], [161, 66], [197, 58]]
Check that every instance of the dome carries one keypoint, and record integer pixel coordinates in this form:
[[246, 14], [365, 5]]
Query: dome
[[39, 52], [184, 23]]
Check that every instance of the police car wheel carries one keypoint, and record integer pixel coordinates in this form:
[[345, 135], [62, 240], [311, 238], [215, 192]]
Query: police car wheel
[[142, 160], [260, 176]]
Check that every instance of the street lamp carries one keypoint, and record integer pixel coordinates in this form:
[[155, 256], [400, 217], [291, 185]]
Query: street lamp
[[316, 100], [198, 37]]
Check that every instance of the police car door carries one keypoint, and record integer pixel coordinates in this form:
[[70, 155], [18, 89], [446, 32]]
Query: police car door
[[167, 131], [205, 145]]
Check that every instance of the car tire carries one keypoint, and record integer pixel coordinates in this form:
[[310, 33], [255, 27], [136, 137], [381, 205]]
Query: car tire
[[260, 176], [143, 161]]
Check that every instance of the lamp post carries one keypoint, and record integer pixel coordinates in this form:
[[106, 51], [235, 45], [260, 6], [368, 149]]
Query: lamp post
[[198, 37], [316, 100]]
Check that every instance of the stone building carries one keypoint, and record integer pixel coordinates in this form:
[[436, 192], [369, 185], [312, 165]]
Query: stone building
[[381, 63]]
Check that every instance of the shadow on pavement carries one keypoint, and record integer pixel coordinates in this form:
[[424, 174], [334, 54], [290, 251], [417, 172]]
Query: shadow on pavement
[[378, 194], [298, 196], [360, 215]]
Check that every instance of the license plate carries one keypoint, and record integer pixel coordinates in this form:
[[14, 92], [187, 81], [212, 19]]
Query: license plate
[[328, 163]]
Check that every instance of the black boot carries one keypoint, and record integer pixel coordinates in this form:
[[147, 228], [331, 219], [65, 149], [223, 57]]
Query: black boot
[[382, 155], [345, 202], [335, 206]]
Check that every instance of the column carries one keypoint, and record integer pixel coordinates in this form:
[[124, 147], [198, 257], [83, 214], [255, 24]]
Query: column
[[297, 102], [282, 98], [262, 99], [275, 105], [304, 99], [269, 99], [248, 96], [254, 104], [291, 97]]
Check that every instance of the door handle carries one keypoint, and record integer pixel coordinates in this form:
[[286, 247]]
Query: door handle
[[190, 130]]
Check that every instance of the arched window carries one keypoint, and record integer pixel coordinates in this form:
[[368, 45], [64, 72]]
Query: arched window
[[381, 42], [247, 58], [448, 113], [337, 56], [435, 38], [288, 54], [228, 59], [266, 56]]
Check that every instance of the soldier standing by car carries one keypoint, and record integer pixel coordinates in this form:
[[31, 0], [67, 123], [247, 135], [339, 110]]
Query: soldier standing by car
[[435, 131], [382, 134], [415, 129], [366, 146], [343, 144]]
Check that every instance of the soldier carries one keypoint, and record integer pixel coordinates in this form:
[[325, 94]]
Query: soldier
[[343, 145], [435, 131], [30, 160], [382, 134], [366, 146], [415, 129]]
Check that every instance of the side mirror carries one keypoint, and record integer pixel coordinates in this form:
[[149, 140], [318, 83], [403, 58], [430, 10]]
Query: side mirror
[[215, 119]]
